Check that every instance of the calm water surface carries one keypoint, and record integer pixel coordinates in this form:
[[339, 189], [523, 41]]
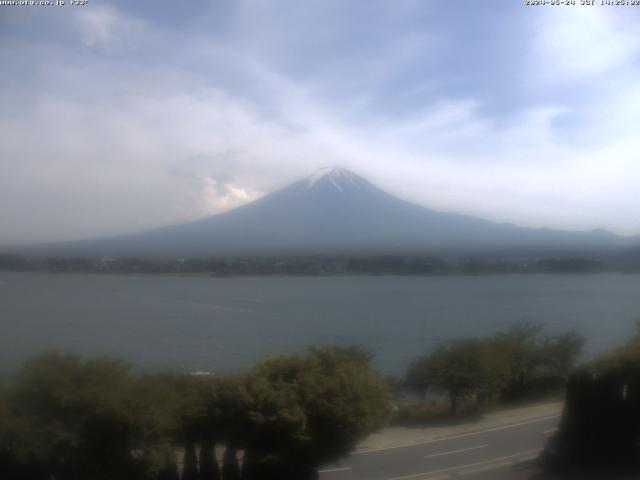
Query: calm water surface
[[200, 323]]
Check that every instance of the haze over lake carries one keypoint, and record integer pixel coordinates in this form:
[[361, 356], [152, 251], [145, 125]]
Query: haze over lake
[[224, 324]]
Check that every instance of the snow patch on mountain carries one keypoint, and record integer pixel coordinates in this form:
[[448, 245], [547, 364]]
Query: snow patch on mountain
[[340, 178]]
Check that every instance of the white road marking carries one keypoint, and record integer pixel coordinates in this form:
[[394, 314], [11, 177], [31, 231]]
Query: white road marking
[[461, 435], [456, 451], [522, 457], [330, 470], [468, 465], [551, 430]]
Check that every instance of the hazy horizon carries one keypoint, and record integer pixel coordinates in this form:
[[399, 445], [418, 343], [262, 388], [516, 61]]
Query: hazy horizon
[[337, 179], [121, 117]]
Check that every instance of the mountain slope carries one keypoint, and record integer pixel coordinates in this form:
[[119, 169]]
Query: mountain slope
[[336, 211]]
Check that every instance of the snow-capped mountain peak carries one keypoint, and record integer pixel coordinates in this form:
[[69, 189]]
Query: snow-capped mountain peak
[[338, 177], [337, 211]]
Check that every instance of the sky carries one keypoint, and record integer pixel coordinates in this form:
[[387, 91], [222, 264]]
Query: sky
[[121, 116]]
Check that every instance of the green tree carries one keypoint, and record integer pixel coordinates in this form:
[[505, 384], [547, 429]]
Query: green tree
[[561, 353], [313, 408], [226, 403], [461, 368], [67, 418], [190, 462], [169, 470], [536, 359], [209, 469], [521, 344], [600, 424], [7, 462], [230, 466], [73, 418], [158, 411], [417, 377]]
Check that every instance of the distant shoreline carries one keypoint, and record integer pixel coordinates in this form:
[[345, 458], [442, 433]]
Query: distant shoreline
[[312, 275], [328, 265]]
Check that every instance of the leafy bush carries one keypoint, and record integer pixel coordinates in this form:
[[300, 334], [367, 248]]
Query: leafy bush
[[313, 408], [65, 417], [600, 425], [517, 364]]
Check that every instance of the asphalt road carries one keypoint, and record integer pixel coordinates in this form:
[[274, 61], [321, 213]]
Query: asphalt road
[[504, 452]]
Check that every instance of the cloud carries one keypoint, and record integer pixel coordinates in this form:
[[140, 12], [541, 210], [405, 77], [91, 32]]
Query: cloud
[[97, 25], [220, 197], [146, 122], [577, 44], [102, 26]]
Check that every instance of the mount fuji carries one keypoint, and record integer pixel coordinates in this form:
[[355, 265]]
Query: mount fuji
[[335, 211]]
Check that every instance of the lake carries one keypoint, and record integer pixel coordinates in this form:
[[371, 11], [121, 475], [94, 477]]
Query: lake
[[225, 324]]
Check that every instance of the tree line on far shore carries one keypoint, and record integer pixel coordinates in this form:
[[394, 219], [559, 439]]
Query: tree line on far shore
[[397, 264]]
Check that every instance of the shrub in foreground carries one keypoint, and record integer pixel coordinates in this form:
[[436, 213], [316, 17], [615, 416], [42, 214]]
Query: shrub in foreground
[[69, 418], [600, 425]]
